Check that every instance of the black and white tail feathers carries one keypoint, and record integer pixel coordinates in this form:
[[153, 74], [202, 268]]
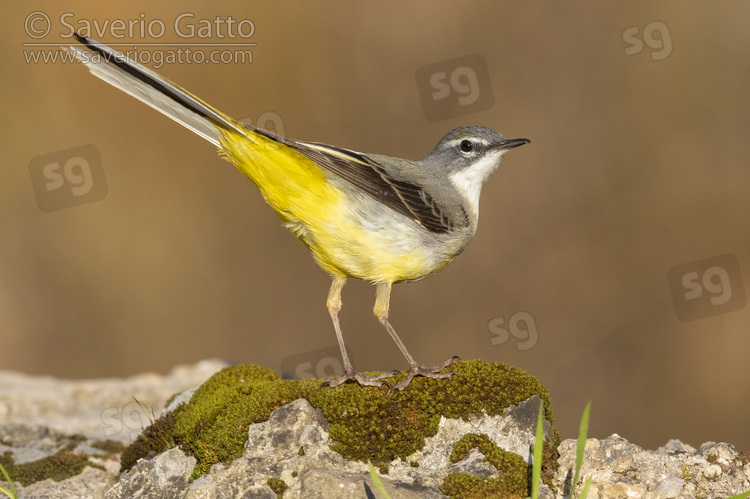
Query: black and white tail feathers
[[150, 88]]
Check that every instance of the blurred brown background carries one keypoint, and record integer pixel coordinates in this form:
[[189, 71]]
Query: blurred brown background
[[638, 116]]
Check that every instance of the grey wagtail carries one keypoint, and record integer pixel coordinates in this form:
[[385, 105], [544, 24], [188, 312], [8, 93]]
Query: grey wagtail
[[385, 220]]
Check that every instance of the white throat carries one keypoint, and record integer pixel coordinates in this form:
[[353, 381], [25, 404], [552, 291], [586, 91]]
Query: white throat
[[469, 181]]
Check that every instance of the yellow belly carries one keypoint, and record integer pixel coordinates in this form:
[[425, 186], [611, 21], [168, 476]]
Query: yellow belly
[[380, 248]]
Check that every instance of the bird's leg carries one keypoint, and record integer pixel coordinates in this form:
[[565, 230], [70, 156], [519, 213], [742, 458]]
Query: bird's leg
[[382, 304], [334, 306]]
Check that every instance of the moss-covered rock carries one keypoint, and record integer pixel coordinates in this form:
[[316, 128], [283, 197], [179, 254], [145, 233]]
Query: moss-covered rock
[[366, 423], [278, 486], [513, 470], [59, 466]]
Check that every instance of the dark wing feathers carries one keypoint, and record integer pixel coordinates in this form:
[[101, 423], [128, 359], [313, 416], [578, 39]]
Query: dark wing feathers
[[363, 172], [401, 196]]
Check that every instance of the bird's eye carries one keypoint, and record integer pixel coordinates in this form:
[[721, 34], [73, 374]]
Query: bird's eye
[[466, 146]]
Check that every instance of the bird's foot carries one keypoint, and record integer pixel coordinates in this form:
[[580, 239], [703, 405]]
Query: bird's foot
[[427, 372], [362, 379]]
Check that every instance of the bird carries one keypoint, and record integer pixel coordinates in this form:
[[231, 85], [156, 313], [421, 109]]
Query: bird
[[372, 217]]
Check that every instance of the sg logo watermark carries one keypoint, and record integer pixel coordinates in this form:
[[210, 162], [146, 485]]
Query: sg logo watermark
[[455, 87], [656, 37], [270, 121], [68, 178], [521, 326], [707, 287], [322, 363], [129, 418]]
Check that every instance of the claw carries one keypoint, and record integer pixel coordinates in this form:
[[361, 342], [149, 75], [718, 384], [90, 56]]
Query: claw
[[362, 379], [427, 372]]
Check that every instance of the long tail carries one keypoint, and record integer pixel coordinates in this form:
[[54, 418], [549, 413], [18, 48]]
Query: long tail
[[290, 181], [158, 92]]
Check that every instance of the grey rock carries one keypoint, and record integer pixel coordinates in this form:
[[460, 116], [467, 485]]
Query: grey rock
[[722, 454], [289, 428], [179, 399], [92, 483], [294, 445], [216, 485], [474, 464], [512, 432], [29, 442], [38, 415], [618, 468], [165, 476], [326, 483], [96, 408], [674, 446], [669, 487]]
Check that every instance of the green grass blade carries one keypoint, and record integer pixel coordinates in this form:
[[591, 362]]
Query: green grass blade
[[377, 481], [585, 490], [12, 493], [744, 495], [536, 469], [580, 448]]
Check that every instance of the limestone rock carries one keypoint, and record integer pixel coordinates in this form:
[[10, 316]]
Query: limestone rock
[[97, 408], [620, 469], [88, 420], [92, 483], [40, 417], [293, 445], [165, 476]]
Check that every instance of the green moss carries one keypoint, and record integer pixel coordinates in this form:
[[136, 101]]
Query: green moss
[[278, 486], [550, 455], [157, 438], [686, 475], [58, 467], [512, 468], [213, 425], [502, 460], [72, 441], [465, 486], [109, 446], [170, 399], [631, 473], [365, 422]]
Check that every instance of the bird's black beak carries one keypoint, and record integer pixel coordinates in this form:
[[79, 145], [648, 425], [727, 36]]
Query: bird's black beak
[[506, 144]]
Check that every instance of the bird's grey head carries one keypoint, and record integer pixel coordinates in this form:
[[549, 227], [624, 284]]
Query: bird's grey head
[[467, 156]]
